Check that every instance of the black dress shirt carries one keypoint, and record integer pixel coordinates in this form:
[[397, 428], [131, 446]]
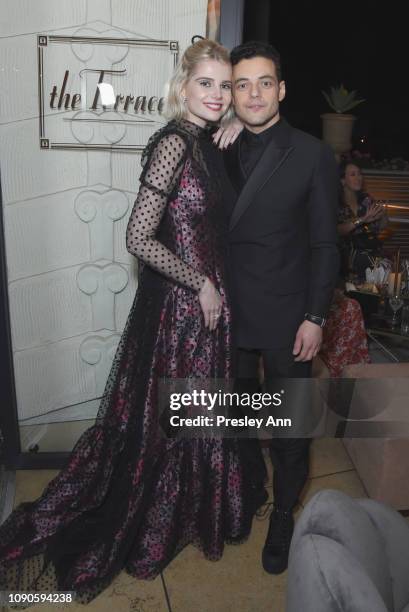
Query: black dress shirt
[[253, 145]]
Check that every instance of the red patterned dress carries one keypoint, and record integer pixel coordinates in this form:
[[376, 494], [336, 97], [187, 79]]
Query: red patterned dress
[[344, 342], [129, 497]]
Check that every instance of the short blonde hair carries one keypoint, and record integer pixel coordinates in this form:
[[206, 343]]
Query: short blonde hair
[[200, 51]]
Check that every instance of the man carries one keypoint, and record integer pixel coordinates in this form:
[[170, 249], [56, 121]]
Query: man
[[283, 259]]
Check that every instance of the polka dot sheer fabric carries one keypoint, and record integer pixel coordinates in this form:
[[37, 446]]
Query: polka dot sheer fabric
[[130, 498], [157, 184]]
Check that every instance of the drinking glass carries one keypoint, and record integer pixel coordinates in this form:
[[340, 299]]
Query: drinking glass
[[395, 302]]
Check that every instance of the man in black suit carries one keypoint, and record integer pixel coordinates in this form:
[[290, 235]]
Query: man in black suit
[[283, 259]]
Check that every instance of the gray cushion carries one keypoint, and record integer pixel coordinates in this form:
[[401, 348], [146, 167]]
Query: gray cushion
[[394, 531], [324, 577], [346, 552]]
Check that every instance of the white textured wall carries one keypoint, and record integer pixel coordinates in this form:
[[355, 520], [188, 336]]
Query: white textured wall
[[71, 280]]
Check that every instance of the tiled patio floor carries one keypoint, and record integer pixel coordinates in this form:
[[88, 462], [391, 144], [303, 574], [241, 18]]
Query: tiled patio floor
[[236, 583]]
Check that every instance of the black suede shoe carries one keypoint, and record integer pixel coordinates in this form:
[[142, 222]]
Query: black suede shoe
[[277, 545]]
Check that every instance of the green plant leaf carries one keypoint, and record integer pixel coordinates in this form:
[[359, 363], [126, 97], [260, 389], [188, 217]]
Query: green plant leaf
[[340, 99], [353, 104], [328, 99]]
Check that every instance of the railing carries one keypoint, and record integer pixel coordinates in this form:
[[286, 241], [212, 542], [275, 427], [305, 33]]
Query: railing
[[393, 187]]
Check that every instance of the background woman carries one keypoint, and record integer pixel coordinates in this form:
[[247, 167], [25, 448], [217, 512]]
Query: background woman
[[359, 223]]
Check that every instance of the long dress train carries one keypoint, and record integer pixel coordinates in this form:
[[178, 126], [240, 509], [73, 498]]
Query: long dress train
[[129, 497]]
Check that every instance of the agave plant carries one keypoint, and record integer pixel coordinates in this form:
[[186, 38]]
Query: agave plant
[[341, 100]]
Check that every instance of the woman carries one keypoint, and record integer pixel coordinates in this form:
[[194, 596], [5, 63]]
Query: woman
[[130, 497], [359, 222]]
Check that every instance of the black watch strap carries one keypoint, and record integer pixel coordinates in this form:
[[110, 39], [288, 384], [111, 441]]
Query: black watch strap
[[315, 319]]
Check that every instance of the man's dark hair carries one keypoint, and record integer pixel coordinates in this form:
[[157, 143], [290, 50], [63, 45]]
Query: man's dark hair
[[255, 48]]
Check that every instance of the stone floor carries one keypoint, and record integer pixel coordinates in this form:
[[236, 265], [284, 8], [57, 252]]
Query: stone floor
[[236, 583]]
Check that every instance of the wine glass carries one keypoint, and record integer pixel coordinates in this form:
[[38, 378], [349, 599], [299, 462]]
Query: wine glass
[[395, 302]]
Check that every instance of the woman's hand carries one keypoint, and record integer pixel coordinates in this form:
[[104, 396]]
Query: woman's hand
[[211, 304], [226, 135], [375, 211]]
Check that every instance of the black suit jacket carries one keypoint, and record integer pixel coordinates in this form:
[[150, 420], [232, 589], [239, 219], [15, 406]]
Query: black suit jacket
[[283, 255]]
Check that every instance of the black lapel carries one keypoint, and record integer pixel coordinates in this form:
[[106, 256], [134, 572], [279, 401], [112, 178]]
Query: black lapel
[[233, 167], [277, 150]]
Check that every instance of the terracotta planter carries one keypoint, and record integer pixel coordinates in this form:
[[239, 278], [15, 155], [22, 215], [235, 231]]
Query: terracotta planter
[[337, 131]]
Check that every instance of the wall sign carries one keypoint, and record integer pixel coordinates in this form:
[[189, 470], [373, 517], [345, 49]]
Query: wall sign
[[101, 93]]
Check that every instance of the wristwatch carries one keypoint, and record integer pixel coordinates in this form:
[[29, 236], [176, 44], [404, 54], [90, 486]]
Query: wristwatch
[[357, 221], [315, 319]]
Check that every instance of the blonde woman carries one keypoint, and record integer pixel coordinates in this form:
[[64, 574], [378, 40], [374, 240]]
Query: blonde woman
[[130, 497]]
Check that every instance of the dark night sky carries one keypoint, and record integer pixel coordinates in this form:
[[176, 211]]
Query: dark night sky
[[360, 44]]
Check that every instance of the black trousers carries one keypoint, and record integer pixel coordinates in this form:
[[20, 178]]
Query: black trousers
[[289, 456]]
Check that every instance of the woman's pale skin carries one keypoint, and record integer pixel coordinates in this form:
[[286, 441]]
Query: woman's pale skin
[[207, 95], [352, 183], [227, 134]]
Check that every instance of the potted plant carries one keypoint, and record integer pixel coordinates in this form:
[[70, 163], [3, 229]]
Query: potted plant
[[337, 126]]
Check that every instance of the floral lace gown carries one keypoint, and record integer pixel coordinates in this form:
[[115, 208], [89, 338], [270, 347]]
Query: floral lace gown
[[130, 498]]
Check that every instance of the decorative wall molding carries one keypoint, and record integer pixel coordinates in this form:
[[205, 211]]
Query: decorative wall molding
[[99, 352], [100, 211], [102, 282]]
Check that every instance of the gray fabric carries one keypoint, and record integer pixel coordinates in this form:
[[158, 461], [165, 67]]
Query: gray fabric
[[394, 531], [323, 576], [348, 556]]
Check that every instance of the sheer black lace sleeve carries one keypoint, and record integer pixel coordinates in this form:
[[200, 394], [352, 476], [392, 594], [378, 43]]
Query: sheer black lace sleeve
[[162, 168]]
